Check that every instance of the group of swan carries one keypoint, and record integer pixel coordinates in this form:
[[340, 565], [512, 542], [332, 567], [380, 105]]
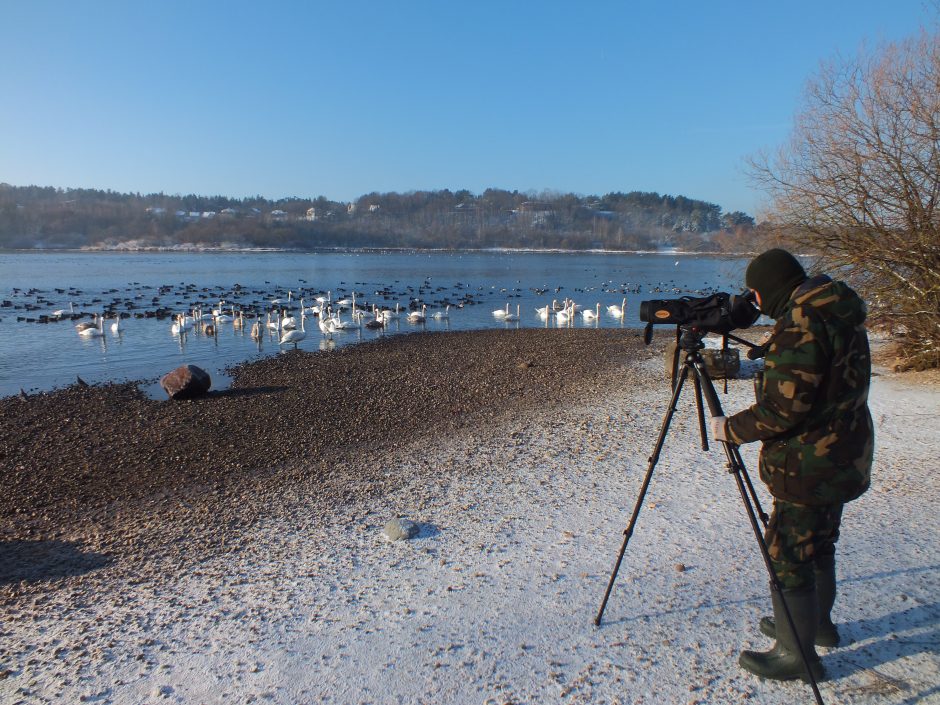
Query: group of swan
[[328, 321], [88, 329], [566, 311]]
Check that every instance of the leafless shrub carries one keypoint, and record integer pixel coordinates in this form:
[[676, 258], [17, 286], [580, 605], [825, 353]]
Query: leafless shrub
[[858, 184]]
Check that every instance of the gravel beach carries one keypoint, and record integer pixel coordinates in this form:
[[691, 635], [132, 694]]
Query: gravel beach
[[132, 478], [230, 550]]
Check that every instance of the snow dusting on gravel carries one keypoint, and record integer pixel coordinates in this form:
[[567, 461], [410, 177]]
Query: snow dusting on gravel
[[493, 601]]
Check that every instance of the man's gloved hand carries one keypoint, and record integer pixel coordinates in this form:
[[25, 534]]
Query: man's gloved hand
[[720, 428]]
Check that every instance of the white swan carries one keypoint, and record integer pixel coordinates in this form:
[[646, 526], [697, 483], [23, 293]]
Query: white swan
[[256, 329], [95, 332], [325, 321], [85, 325], [419, 316], [589, 314], [294, 336], [222, 317], [377, 322], [511, 317], [278, 302], [392, 315], [442, 314], [179, 325], [116, 326], [563, 316], [61, 312], [340, 324], [501, 312], [617, 311], [546, 309]]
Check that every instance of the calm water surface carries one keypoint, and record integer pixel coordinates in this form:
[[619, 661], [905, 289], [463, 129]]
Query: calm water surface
[[40, 356]]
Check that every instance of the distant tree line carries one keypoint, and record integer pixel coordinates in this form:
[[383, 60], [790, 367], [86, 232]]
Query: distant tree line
[[47, 217]]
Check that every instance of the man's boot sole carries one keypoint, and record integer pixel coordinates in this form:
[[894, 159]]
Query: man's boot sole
[[750, 662]]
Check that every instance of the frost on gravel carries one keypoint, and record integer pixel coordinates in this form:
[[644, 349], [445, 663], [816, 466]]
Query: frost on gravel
[[493, 600]]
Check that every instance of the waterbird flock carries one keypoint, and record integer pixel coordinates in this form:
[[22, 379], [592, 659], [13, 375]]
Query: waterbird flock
[[283, 309]]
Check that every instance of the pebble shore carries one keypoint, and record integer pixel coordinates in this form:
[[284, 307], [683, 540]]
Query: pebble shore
[[193, 580], [133, 480]]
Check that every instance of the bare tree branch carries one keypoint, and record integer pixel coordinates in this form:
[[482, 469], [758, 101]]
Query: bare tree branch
[[858, 183]]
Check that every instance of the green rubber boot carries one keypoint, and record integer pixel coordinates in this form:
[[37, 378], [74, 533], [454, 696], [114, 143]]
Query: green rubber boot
[[784, 662], [826, 634]]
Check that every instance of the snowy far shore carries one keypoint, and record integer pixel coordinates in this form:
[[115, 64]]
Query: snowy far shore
[[494, 600]]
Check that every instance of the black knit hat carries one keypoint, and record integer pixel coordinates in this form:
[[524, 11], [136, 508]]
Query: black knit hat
[[774, 274]]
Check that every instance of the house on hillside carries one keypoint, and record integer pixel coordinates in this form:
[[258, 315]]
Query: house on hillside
[[534, 213]]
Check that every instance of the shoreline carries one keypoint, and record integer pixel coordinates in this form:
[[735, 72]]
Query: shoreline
[[87, 463], [370, 250]]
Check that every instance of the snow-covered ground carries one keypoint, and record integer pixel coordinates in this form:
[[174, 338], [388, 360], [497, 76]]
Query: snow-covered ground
[[494, 601]]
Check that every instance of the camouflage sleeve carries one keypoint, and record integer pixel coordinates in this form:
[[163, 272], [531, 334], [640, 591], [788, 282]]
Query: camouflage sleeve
[[794, 368]]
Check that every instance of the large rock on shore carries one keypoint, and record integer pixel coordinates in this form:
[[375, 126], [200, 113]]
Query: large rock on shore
[[186, 382]]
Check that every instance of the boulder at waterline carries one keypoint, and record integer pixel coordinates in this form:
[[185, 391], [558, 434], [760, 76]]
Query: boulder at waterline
[[186, 382]]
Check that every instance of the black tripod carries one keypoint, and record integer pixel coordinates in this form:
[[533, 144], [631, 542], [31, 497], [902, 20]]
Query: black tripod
[[689, 341]]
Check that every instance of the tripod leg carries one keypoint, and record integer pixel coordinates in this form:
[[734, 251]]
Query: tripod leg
[[739, 462], [653, 459], [700, 409]]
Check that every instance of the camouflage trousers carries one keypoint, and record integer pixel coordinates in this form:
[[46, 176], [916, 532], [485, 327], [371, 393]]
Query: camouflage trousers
[[797, 535]]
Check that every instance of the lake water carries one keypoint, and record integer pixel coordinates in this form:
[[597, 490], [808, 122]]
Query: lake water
[[40, 356]]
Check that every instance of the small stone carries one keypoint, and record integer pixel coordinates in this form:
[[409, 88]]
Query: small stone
[[161, 691], [680, 567], [398, 529]]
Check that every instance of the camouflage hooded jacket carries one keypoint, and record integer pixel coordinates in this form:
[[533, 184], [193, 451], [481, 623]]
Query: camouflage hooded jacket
[[812, 409]]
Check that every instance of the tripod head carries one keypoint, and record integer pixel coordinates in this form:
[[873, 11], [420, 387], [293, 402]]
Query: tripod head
[[690, 338]]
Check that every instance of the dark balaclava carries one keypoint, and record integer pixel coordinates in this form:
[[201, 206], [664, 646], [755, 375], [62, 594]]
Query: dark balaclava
[[774, 274]]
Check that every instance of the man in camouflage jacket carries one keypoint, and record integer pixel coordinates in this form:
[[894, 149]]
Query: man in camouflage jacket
[[812, 416]]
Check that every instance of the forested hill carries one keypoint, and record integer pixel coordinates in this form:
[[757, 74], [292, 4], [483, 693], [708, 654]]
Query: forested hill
[[46, 217]]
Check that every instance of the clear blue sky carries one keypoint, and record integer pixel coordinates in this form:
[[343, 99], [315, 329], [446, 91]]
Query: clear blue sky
[[343, 98]]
